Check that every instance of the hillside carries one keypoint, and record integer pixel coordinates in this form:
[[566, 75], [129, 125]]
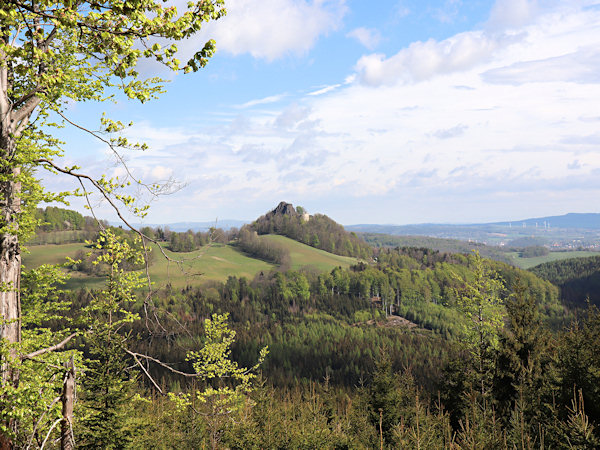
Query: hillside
[[571, 231], [318, 231], [439, 244], [304, 255], [215, 262], [528, 263], [577, 278]]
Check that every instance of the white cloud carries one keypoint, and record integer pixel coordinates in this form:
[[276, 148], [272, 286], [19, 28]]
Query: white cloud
[[450, 132], [368, 37], [448, 12], [270, 29], [466, 128], [161, 173], [401, 10], [292, 116], [423, 60], [324, 90], [582, 66], [512, 22], [262, 101], [513, 13]]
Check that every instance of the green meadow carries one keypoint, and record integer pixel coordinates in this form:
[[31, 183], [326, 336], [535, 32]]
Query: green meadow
[[528, 263], [213, 262], [305, 255]]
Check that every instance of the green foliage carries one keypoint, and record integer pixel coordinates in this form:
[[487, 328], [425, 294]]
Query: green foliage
[[320, 232], [578, 279], [389, 397], [534, 251], [264, 249], [522, 363], [33, 403], [480, 301], [436, 244], [227, 385], [579, 363], [58, 219], [108, 382], [58, 52]]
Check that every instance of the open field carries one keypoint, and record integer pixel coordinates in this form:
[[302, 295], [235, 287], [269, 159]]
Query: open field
[[305, 255], [215, 262], [50, 254], [527, 263]]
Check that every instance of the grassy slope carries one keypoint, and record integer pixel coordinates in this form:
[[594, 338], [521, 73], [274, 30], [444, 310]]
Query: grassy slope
[[56, 254], [213, 263], [305, 255], [527, 263]]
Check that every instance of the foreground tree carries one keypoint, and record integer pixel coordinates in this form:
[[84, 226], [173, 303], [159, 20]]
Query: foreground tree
[[481, 303], [108, 381], [226, 385], [52, 53], [523, 360]]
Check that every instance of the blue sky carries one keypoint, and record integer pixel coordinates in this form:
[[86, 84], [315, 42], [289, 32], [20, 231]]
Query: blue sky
[[373, 112]]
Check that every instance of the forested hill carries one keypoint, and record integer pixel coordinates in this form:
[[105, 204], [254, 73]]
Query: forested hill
[[578, 278], [317, 230], [438, 244], [53, 218]]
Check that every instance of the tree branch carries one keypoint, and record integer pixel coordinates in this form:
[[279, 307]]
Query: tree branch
[[50, 349], [160, 363], [54, 402], [27, 109], [146, 372]]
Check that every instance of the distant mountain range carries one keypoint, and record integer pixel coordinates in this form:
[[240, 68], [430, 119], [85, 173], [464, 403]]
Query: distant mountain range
[[585, 221], [568, 231], [589, 221]]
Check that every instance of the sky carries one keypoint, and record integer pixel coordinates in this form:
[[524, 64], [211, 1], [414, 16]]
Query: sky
[[390, 112]]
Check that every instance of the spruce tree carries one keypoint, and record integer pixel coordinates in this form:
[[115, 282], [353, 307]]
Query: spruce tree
[[523, 358], [390, 397]]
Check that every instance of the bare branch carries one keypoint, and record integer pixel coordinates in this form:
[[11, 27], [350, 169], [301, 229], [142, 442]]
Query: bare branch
[[146, 372], [50, 431], [113, 148], [160, 363], [50, 349], [54, 402], [107, 197], [81, 177]]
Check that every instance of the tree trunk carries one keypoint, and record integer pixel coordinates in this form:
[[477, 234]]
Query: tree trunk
[[68, 398], [10, 266]]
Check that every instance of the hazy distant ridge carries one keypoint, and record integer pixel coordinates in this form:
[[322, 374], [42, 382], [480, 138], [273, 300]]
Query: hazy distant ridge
[[570, 220]]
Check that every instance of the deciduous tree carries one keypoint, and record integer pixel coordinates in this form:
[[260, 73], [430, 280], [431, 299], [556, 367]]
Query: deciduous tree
[[480, 301], [53, 53]]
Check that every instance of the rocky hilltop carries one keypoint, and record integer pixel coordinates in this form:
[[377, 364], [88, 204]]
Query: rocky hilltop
[[283, 209]]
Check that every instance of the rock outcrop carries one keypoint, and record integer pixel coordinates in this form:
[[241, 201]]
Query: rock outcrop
[[283, 209]]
